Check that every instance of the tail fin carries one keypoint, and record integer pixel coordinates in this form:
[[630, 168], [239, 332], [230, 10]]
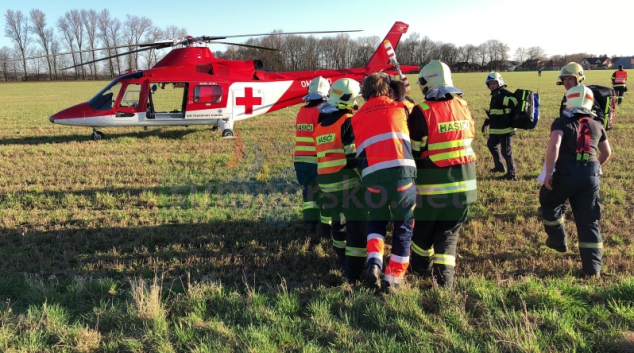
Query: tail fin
[[380, 56]]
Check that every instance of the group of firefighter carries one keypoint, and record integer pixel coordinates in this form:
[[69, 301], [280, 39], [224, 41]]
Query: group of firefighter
[[411, 167]]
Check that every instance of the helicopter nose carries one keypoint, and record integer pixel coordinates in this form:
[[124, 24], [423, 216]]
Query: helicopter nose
[[50, 118]]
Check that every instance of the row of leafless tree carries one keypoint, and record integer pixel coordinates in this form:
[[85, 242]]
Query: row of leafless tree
[[80, 33], [83, 32]]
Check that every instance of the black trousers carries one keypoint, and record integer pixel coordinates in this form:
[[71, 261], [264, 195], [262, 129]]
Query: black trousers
[[505, 150], [619, 92], [435, 240], [578, 183]]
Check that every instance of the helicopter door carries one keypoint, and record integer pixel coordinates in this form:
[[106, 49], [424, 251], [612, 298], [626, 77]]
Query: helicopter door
[[167, 101], [130, 101], [206, 102]]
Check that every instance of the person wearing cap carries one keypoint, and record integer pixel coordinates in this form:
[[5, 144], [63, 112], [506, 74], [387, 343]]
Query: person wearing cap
[[501, 131], [338, 178], [618, 82], [441, 131], [577, 148], [388, 171], [571, 75], [305, 158]]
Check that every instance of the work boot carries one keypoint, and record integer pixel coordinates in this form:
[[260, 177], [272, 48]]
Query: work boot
[[389, 287], [497, 170], [373, 277], [508, 177], [311, 226], [558, 247]]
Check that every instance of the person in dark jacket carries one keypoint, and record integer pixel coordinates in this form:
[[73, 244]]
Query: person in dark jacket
[[500, 115], [619, 77], [570, 76], [577, 148]]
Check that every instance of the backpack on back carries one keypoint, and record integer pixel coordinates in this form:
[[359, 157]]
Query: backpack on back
[[526, 113], [606, 98]]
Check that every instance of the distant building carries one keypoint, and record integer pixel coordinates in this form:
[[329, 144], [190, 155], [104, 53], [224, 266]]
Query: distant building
[[533, 64], [602, 62], [554, 65], [464, 66], [626, 61]]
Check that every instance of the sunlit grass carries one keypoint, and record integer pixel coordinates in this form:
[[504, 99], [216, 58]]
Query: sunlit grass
[[87, 227]]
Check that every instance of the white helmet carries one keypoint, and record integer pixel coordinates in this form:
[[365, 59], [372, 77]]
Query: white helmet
[[494, 76], [580, 97], [317, 89], [434, 74], [572, 69], [343, 93]]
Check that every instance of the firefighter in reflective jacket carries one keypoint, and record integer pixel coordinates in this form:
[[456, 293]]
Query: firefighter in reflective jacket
[[500, 115], [441, 130], [397, 93], [305, 159], [570, 76], [338, 178], [388, 171], [572, 155], [618, 82]]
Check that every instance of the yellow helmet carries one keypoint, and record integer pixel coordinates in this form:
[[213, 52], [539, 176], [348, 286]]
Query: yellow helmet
[[580, 96], [343, 93], [434, 74], [572, 69], [318, 89]]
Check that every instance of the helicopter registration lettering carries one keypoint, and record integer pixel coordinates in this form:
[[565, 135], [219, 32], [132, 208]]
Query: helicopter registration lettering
[[306, 83]]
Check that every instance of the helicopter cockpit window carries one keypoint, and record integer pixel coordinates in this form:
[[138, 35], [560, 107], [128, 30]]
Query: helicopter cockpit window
[[104, 100], [131, 96], [208, 94]]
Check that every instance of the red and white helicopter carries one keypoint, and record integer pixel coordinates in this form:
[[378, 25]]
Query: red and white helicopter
[[190, 86]]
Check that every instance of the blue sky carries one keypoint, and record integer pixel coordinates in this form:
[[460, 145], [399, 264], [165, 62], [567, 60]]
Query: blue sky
[[558, 26]]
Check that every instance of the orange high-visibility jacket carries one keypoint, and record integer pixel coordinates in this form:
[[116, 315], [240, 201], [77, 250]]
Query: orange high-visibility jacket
[[451, 130], [382, 137], [331, 156], [304, 128], [620, 77]]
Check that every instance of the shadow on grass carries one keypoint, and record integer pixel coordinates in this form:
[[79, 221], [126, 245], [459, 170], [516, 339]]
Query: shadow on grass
[[109, 134], [229, 252]]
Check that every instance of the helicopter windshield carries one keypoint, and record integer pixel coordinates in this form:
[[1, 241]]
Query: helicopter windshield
[[104, 100]]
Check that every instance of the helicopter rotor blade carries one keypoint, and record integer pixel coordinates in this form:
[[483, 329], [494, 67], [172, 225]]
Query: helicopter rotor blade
[[111, 56], [285, 33], [245, 45]]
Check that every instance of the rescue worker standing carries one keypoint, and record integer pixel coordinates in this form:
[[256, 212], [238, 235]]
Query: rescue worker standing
[[618, 82], [572, 154], [305, 159], [338, 178], [388, 171], [441, 129], [570, 76], [501, 132], [397, 94]]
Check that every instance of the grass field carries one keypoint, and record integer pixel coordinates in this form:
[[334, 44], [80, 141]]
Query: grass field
[[175, 240]]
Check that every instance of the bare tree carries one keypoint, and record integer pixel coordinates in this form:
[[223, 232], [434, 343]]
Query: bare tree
[[536, 52], [64, 26], [134, 28], [5, 57], [90, 21], [44, 36], [521, 54], [154, 34], [17, 29], [77, 29]]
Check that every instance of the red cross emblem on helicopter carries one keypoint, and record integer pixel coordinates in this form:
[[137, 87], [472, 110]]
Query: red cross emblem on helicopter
[[248, 101]]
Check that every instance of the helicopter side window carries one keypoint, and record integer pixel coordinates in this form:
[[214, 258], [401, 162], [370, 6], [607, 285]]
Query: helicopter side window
[[131, 96], [208, 94], [104, 100]]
